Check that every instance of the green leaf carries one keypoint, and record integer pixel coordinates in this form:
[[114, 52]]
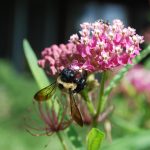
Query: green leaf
[[74, 137], [128, 126], [37, 72], [94, 139], [147, 64]]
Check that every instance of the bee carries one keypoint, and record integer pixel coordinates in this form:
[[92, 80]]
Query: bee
[[72, 81]]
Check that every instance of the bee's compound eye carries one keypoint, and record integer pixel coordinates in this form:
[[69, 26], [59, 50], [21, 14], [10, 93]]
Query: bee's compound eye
[[60, 86]]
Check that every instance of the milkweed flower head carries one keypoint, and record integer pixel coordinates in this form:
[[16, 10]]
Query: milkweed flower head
[[99, 46], [103, 46]]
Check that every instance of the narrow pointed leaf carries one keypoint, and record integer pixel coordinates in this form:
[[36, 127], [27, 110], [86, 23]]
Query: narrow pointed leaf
[[37, 72]]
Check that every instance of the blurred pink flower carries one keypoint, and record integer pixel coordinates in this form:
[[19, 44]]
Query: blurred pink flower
[[56, 58], [139, 77], [103, 46]]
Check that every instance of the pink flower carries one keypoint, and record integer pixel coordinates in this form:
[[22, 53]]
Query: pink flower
[[102, 46], [99, 47], [139, 77]]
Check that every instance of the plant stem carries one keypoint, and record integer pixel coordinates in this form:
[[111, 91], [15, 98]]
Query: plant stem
[[61, 141], [101, 93], [89, 103]]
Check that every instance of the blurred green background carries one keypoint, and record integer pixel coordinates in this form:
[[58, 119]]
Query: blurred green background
[[16, 97]]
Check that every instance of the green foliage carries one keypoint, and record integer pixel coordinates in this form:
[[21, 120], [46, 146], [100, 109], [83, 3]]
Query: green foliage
[[94, 139], [15, 100], [137, 141], [13, 91], [74, 137], [147, 64], [37, 72]]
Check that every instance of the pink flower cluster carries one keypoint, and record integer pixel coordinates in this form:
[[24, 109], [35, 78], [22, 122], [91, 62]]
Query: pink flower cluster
[[103, 46], [56, 58], [139, 77], [99, 47]]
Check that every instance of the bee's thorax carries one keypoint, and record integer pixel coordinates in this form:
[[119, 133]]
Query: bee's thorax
[[68, 86], [74, 80]]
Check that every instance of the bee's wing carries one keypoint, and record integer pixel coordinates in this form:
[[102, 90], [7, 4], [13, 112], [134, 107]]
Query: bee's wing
[[75, 113], [45, 93]]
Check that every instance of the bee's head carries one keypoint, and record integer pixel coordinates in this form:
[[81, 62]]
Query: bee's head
[[67, 75]]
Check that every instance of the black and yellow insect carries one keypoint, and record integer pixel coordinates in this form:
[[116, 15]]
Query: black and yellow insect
[[71, 80]]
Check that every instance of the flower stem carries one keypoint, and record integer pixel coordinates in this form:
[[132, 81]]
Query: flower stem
[[101, 93], [61, 141], [89, 103]]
